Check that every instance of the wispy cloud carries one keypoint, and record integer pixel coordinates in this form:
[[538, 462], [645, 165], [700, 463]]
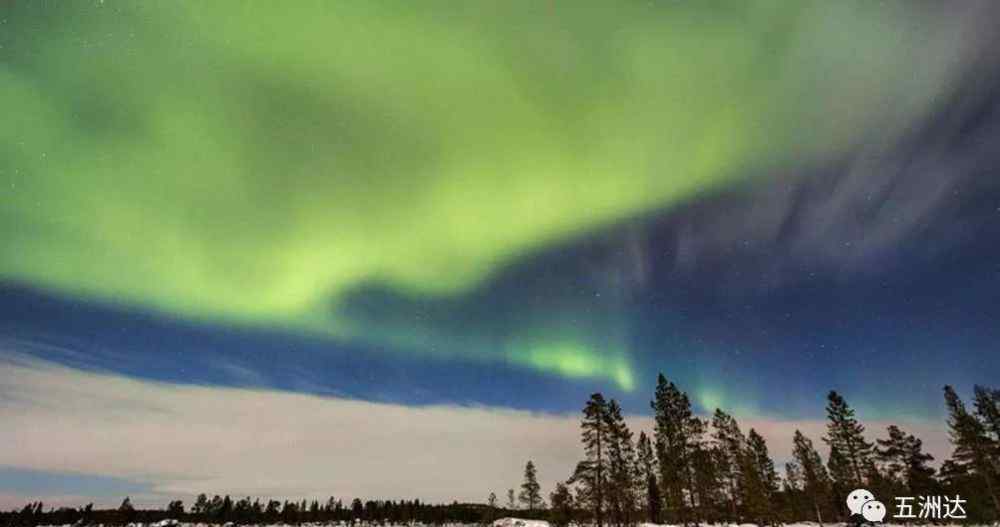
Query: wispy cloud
[[181, 440]]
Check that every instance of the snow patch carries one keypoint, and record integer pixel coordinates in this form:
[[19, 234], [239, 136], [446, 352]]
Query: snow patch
[[518, 522]]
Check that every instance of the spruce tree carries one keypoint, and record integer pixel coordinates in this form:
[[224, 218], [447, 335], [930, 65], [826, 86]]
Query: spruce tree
[[677, 434], [126, 510], [846, 434], [591, 474], [622, 476], [842, 476], [729, 441], [531, 491], [511, 505], [647, 470], [891, 455], [562, 505], [987, 403], [272, 511], [200, 504], [815, 480], [974, 449], [905, 464], [760, 480], [707, 488], [793, 497]]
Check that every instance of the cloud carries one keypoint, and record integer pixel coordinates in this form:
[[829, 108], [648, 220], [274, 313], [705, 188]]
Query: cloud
[[182, 440]]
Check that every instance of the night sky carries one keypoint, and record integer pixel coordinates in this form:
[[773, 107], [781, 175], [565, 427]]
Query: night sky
[[460, 220]]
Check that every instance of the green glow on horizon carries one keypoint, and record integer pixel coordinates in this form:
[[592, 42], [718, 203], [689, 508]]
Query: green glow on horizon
[[576, 362], [253, 162]]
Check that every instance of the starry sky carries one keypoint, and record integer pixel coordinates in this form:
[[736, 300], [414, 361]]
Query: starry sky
[[239, 230]]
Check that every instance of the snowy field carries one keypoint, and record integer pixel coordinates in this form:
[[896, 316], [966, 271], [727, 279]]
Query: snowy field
[[503, 522]]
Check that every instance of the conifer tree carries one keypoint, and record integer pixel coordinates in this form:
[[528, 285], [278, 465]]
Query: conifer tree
[[846, 434], [904, 463], [126, 509], [793, 499], [707, 488], [562, 505], [272, 510], [815, 480], [647, 473], [622, 477], [987, 403], [842, 477], [760, 480], [677, 433], [531, 491], [511, 505], [200, 505], [729, 440], [890, 454], [974, 448], [591, 474]]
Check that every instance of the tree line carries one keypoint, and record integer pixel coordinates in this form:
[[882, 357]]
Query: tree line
[[248, 511], [689, 470], [707, 470]]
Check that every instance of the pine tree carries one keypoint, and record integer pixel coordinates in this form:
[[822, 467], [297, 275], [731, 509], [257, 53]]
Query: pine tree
[[227, 508], [622, 478], [890, 454], [511, 505], [729, 441], [126, 510], [562, 505], [974, 449], [200, 505], [792, 495], [760, 481], [591, 474], [815, 480], [707, 485], [846, 434], [677, 434], [842, 476], [905, 464], [531, 491], [272, 511], [647, 472], [987, 403]]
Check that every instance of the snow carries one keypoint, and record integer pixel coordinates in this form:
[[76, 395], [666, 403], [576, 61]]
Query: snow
[[502, 522], [518, 522]]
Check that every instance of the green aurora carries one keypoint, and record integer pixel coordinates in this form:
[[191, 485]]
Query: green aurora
[[252, 162]]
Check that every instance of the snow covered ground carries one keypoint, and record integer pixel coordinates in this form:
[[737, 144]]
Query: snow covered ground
[[518, 522], [503, 522]]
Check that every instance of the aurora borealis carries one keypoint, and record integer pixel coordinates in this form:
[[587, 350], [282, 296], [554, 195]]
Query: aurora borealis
[[501, 205]]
